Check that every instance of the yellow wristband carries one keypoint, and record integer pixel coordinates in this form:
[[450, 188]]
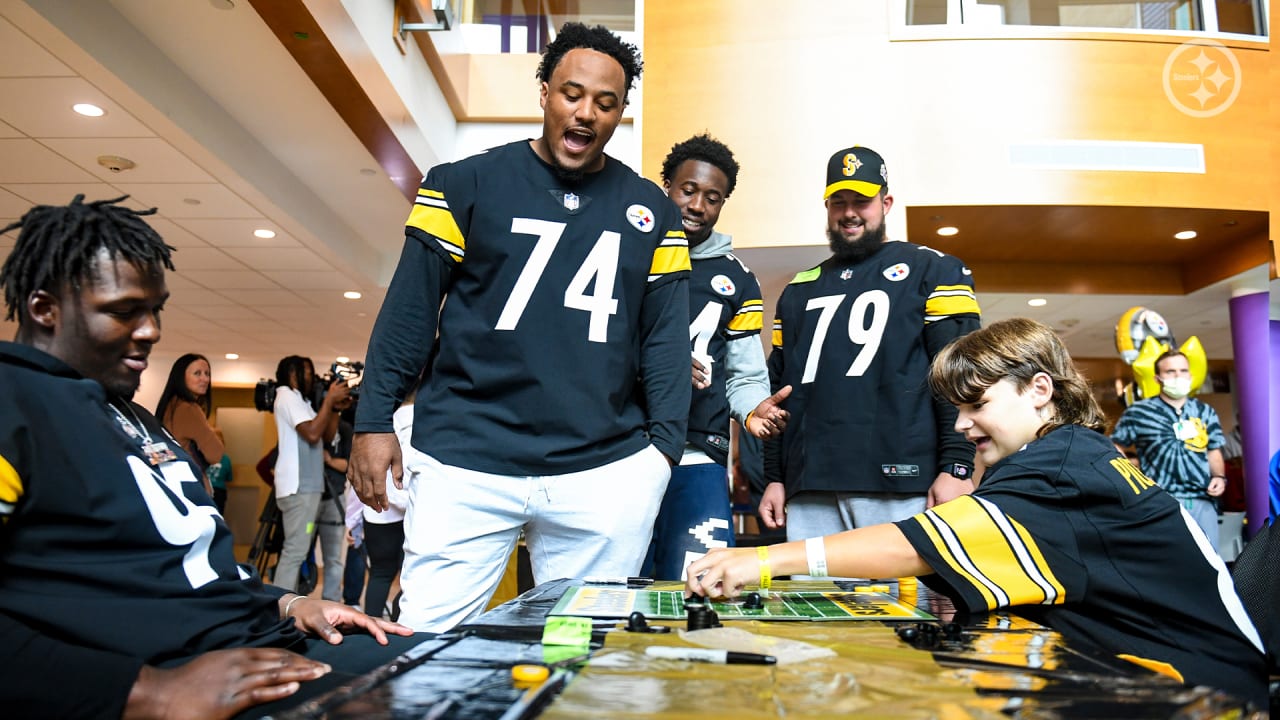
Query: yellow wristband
[[766, 573]]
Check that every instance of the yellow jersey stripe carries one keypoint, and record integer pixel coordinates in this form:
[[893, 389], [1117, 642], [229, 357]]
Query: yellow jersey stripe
[[438, 222], [668, 259], [930, 522], [999, 552], [10, 487], [940, 307], [744, 321], [427, 193]]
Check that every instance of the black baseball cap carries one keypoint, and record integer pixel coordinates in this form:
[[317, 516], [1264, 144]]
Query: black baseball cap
[[859, 169]]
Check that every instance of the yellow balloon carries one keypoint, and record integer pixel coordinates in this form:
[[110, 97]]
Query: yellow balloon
[[1197, 360], [1144, 367]]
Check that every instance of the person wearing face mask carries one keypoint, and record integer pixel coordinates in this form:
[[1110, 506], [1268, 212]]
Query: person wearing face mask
[[1179, 442]]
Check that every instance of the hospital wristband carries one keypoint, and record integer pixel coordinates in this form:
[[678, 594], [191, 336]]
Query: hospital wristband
[[815, 551], [766, 573]]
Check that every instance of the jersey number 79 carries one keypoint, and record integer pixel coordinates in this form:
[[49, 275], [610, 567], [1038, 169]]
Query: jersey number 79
[[867, 319]]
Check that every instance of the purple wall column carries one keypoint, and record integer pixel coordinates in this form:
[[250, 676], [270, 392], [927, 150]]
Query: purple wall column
[[1249, 323]]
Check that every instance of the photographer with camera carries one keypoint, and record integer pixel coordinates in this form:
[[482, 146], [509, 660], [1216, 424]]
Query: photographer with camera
[[299, 471]]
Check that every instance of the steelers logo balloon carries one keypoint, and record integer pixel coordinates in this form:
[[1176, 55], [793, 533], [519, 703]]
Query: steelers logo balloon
[[1135, 326]]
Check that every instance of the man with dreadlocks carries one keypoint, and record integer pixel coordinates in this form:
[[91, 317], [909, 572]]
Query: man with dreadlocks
[[119, 591]]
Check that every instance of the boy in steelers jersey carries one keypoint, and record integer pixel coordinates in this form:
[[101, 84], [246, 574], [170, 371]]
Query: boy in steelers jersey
[[557, 393], [853, 337], [729, 375], [1062, 527]]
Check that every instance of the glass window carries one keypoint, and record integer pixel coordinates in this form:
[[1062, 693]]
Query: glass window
[[1245, 17]]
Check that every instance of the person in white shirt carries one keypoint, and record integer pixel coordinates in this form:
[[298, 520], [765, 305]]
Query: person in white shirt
[[299, 470]]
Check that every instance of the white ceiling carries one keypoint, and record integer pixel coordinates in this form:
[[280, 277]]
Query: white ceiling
[[229, 135]]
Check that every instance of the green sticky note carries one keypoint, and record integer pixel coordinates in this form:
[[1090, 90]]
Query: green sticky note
[[565, 637], [568, 631]]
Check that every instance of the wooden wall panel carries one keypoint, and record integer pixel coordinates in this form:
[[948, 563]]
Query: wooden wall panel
[[786, 89]]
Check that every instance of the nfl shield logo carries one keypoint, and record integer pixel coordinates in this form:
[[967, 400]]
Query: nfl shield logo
[[570, 201], [846, 274]]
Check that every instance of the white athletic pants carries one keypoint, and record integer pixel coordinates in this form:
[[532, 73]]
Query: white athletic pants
[[461, 526]]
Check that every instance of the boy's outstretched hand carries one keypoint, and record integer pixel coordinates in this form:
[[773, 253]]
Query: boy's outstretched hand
[[723, 572]]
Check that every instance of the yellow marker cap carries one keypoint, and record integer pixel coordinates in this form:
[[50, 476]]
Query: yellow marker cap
[[529, 674]]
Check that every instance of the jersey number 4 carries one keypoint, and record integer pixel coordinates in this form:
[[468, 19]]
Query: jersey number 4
[[601, 265], [867, 319]]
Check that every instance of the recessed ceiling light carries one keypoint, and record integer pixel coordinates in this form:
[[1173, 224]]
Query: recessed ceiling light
[[1185, 235], [232, 356], [1037, 302], [352, 295], [343, 359], [88, 110], [264, 233], [948, 231]]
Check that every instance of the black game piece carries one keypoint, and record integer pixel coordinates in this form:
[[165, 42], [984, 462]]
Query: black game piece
[[753, 602]]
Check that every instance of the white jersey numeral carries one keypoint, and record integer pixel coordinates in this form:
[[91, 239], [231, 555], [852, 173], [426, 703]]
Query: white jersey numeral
[[600, 265], [700, 331], [192, 525], [863, 331], [704, 326]]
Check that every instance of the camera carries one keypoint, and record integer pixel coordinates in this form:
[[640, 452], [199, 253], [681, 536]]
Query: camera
[[264, 393], [350, 372]]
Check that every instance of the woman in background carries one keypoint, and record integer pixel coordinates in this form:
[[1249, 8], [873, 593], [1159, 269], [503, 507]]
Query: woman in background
[[184, 410]]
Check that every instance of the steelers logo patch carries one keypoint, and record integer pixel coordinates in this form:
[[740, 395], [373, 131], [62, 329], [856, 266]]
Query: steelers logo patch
[[641, 217], [897, 272], [723, 285]]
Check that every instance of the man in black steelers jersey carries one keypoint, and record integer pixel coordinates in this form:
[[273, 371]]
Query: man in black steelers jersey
[[120, 594], [867, 443], [556, 396], [729, 375]]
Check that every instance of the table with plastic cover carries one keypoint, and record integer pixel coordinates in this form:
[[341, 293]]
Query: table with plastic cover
[[993, 666]]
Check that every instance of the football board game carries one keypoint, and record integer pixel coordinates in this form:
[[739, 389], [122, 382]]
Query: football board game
[[615, 602]]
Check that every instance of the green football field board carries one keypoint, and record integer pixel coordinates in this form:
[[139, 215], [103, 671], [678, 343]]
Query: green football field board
[[614, 602]]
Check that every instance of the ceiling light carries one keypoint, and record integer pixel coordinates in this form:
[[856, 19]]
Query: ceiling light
[[352, 295], [1037, 302], [264, 233], [232, 356], [948, 231], [1185, 235], [342, 359], [88, 110]]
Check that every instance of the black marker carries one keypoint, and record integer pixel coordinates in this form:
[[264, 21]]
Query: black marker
[[723, 657], [596, 580]]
